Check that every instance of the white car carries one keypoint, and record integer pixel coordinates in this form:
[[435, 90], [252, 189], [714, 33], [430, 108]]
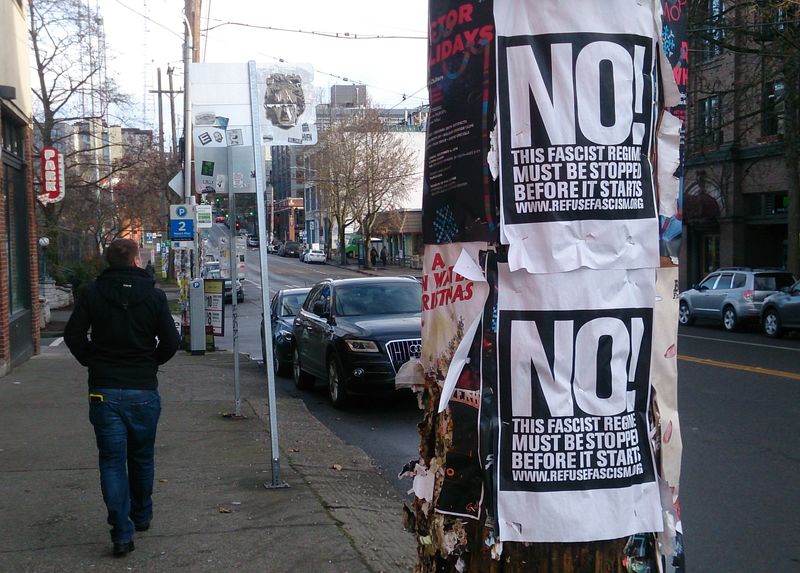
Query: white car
[[315, 256]]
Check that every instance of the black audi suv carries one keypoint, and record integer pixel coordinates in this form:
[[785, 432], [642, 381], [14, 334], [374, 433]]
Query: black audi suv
[[356, 333]]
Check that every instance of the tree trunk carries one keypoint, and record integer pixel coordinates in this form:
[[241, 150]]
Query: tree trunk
[[342, 245], [471, 536], [367, 238]]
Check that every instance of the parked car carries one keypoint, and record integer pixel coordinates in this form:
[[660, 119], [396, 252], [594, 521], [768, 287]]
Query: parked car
[[209, 266], [781, 311], [356, 333], [731, 295], [252, 240], [284, 307], [271, 249], [216, 274], [290, 249], [315, 256]]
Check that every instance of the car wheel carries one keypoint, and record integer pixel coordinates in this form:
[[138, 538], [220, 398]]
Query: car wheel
[[277, 367], [772, 324], [302, 380], [685, 315], [729, 320], [336, 387]]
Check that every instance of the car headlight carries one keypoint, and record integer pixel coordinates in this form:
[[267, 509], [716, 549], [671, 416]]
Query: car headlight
[[285, 334], [361, 345]]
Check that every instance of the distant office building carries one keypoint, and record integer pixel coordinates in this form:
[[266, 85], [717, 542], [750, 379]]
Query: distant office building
[[343, 96]]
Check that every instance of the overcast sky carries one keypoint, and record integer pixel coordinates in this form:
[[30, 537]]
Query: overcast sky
[[389, 67]]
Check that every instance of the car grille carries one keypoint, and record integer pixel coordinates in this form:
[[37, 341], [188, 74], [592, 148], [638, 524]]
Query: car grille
[[401, 351]]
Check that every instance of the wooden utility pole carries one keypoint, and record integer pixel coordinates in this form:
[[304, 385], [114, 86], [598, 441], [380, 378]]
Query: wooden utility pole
[[171, 92], [160, 115], [192, 8]]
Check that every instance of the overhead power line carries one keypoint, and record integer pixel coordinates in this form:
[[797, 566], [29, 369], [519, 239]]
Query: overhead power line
[[335, 35]]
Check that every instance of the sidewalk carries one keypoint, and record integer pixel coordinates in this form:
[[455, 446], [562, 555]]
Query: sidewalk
[[378, 270], [212, 511]]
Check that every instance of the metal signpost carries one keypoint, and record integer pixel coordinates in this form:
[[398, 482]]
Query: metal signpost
[[233, 120], [258, 158], [237, 392]]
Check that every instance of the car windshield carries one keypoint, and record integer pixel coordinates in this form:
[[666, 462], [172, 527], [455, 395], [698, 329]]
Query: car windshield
[[291, 303], [377, 298], [775, 281], [213, 274]]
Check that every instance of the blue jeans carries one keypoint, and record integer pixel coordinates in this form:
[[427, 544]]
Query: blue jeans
[[125, 424]]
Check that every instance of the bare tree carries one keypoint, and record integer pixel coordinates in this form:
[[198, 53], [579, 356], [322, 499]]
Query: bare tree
[[337, 176], [72, 97], [362, 169], [136, 198], [387, 169]]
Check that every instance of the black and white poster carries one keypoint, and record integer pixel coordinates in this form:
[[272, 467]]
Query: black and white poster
[[577, 98], [459, 201], [574, 349]]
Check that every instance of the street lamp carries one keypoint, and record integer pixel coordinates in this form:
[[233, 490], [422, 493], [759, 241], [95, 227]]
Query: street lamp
[[44, 242]]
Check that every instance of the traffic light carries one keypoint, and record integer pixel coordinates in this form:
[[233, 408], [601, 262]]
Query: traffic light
[[217, 200], [238, 225]]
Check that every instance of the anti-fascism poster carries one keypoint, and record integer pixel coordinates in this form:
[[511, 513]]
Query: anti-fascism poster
[[574, 350], [576, 106], [452, 305], [459, 197]]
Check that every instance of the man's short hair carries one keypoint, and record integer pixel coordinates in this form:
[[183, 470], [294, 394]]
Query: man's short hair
[[122, 253]]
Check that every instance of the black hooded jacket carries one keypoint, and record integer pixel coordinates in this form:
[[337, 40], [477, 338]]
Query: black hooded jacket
[[125, 313]]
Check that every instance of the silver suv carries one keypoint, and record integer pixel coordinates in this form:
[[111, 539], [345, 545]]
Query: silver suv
[[732, 295]]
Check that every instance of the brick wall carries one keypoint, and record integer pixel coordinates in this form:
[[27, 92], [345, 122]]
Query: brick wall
[[33, 243], [5, 341]]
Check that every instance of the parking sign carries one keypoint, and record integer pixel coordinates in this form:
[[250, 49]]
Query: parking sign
[[181, 223]]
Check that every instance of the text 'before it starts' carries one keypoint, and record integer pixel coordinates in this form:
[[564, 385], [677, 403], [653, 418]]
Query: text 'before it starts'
[[597, 447], [577, 178]]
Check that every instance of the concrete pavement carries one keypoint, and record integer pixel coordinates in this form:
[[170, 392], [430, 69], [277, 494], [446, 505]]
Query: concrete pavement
[[212, 511]]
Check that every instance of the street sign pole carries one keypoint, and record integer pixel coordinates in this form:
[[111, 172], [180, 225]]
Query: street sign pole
[[258, 159], [232, 257]]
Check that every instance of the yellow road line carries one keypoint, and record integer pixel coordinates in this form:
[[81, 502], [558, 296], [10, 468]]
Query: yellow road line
[[732, 366]]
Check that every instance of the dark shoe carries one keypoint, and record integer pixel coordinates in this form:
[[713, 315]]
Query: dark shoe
[[141, 526], [122, 549]]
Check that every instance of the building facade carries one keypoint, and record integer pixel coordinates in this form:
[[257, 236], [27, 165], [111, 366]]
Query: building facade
[[735, 202], [19, 273]]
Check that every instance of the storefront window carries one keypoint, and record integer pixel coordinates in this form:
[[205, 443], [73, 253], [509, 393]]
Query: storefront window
[[13, 186]]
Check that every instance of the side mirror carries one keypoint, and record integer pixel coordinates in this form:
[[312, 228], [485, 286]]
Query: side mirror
[[319, 309]]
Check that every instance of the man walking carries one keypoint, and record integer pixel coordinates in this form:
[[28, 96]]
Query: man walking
[[132, 333]]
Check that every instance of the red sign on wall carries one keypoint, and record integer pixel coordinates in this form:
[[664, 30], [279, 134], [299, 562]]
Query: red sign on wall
[[52, 175]]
